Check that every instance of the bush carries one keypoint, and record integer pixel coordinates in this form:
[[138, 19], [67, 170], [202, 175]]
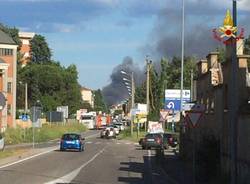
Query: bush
[[46, 133]]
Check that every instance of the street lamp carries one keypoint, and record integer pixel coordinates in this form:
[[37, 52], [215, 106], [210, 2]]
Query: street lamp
[[130, 85]]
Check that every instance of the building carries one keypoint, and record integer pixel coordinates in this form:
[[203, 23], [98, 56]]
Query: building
[[213, 91], [8, 62], [25, 38], [87, 96]]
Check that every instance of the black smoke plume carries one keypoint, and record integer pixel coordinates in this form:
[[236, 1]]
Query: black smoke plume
[[116, 91]]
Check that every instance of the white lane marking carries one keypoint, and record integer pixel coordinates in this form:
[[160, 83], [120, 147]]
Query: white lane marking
[[28, 158], [39, 154], [98, 143], [118, 143], [128, 143], [136, 143], [89, 142], [70, 176]]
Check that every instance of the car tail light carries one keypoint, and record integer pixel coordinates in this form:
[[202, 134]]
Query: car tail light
[[158, 140]]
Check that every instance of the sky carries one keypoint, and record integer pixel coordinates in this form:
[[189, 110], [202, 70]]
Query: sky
[[96, 35]]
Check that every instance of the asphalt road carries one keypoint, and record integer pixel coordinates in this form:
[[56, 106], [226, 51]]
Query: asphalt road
[[102, 162]]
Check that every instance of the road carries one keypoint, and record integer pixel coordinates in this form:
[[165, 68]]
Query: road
[[102, 162]]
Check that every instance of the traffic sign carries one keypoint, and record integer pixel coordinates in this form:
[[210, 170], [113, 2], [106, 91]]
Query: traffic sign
[[195, 114], [173, 99], [164, 114], [24, 117], [173, 105], [194, 117]]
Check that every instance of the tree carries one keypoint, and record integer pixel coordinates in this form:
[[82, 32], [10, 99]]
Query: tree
[[99, 104], [40, 51], [53, 85]]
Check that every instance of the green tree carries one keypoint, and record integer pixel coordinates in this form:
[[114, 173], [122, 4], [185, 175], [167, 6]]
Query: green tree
[[53, 85], [99, 103], [40, 51]]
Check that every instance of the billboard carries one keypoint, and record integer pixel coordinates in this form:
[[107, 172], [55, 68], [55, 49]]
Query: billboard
[[155, 127], [173, 98]]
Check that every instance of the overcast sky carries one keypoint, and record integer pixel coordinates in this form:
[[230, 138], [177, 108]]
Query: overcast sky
[[96, 35]]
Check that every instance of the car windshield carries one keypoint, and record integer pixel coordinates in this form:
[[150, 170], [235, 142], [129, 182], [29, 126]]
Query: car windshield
[[71, 137]]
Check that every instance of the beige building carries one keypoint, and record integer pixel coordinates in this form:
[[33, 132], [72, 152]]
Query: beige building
[[8, 63], [87, 96], [25, 38], [213, 91]]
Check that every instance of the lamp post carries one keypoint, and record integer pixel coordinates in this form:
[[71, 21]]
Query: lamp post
[[130, 86], [148, 62], [182, 51]]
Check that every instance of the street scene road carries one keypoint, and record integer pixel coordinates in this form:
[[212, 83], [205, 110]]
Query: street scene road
[[103, 161]]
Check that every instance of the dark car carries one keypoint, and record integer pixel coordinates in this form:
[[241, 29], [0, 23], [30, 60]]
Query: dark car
[[169, 140], [72, 141], [154, 140]]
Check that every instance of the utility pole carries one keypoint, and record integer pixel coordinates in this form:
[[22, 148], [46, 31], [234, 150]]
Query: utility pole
[[148, 102], [233, 111], [192, 85]]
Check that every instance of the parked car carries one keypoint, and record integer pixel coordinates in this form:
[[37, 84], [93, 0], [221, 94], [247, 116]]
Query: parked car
[[2, 144], [154, 140], [72, 141], [170, 140]]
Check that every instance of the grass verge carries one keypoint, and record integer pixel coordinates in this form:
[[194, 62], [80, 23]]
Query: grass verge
[[9, 153], [43, 134]]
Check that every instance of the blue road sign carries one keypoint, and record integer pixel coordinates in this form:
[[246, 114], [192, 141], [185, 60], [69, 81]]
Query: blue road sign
[[173, 105], [24, 117]]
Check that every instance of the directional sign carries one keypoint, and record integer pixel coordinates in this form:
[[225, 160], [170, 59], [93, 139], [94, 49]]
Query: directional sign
[[173, 99]]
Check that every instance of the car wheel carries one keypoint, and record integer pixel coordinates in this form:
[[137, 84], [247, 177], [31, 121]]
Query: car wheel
[[143, 147]]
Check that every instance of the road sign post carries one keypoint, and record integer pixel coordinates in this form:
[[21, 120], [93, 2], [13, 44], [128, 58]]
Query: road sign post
[[194, 116]]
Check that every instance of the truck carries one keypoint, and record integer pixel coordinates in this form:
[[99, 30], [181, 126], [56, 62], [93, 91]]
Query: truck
[[88, 119]]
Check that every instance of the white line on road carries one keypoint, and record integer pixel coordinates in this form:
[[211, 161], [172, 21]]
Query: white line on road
[[89, 142], [69, 177], [98, 143], [118, 143], [37, 155], [28, 158], [128, 143]]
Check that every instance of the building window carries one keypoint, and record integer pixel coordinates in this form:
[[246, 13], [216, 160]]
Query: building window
[[6, 52], [9, 109], [9, 87]]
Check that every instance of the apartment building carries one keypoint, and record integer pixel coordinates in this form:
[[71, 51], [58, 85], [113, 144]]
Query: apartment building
[[8, 62]]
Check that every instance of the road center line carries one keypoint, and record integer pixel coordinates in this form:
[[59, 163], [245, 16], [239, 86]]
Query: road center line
[[70, 176]]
